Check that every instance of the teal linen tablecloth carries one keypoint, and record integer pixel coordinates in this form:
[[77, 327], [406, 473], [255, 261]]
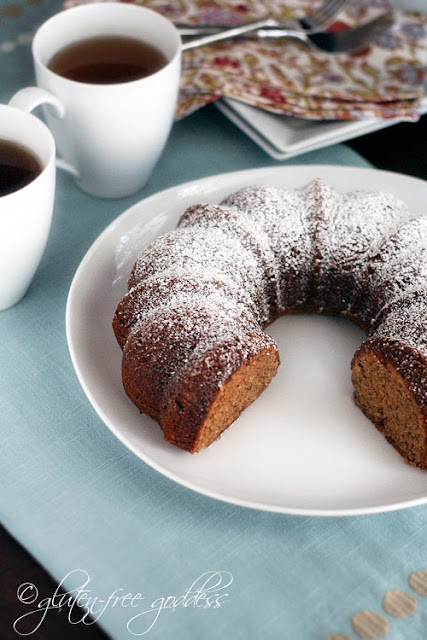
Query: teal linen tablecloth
[[87, 508]]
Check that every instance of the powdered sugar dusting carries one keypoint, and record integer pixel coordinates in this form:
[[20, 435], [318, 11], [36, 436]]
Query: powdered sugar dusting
[[406, 320], [245, 232], [350, 231], [170, 291], [209, 256], [399, 266], [283, 217]]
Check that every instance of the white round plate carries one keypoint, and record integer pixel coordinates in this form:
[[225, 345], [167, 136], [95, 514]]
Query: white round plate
[[302, 447]]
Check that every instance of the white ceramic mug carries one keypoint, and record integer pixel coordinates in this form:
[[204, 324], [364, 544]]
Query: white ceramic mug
[[25, 214], [110, 136]]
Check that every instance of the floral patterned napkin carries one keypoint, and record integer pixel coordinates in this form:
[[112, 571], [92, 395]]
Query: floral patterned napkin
[[384, 80]]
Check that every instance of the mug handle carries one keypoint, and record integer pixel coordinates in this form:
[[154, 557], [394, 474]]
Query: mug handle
[[31, 97]]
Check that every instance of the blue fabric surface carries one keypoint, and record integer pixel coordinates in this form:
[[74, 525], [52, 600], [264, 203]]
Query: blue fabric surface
[[79, 500]]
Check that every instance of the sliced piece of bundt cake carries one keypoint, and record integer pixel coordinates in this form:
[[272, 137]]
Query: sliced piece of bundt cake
[[389, 375], [195, 367]]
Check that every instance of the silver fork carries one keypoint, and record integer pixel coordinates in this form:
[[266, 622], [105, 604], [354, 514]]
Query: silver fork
[[323, 17], [330, 42], [310, 23]]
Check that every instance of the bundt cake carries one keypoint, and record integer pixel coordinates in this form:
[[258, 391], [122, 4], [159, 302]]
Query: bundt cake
[[192, 323]]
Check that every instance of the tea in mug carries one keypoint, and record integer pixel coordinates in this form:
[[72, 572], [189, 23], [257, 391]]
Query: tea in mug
[[18, 167], [107, 60]]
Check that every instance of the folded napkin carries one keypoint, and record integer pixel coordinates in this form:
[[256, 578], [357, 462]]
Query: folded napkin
[[384, 80]]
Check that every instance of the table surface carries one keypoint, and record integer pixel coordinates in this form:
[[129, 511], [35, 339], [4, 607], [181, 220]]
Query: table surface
[[401, 148]]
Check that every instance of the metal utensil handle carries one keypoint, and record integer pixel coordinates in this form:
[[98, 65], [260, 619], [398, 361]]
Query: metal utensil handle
[[200, 30], [230, 33]]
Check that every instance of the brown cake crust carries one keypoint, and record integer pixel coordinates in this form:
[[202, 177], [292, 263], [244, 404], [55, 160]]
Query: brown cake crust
[[202, 406], [173, 368]]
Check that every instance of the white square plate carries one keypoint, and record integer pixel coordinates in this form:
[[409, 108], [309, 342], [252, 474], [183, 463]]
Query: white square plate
[[284, 137]]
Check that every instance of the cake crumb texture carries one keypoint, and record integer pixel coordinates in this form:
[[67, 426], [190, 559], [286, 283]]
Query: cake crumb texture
[[385, 398]]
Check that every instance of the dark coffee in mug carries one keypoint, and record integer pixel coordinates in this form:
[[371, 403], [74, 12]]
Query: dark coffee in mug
[[107, 60], [18, 167]]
